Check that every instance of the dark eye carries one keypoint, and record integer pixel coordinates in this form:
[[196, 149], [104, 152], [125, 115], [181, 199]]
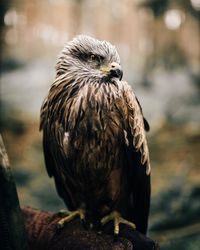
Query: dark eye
[[97, 59], [94, 57]]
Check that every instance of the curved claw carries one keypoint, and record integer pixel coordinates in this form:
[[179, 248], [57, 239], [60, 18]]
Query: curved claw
[[70, 215], [117, 219]]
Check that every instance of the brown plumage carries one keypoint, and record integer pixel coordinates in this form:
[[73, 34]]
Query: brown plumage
[[94, 134]]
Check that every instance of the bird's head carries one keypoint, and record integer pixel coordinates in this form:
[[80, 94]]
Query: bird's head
[[90, 58]]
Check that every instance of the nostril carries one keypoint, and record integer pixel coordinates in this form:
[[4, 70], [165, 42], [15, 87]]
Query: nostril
[[114, 65]]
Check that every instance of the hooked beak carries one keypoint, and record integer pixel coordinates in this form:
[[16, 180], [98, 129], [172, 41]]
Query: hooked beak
[[114, 70]]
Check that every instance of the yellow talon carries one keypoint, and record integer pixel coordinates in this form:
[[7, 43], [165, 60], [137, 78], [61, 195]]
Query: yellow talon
[[116, 217], [70, 215]]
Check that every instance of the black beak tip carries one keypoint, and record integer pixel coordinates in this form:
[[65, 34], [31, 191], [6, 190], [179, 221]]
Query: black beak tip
[[121, 75]]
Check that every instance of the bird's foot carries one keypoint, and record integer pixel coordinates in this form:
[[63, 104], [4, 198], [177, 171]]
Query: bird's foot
[[117, 219], [70, 215]]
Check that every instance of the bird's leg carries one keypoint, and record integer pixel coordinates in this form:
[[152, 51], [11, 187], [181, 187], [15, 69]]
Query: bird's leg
[[70, 215], [117, 219]]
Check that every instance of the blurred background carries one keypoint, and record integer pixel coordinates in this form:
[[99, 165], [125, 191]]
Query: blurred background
[[159, 45]]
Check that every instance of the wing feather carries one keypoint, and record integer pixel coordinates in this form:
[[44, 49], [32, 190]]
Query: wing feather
[[136, 127], [137, 154], [56, 120]]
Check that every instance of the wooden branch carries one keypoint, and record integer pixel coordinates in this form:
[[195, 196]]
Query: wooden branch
[[43, 234], [12, 230]]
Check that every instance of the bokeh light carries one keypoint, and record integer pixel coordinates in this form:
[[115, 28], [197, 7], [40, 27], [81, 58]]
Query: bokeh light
[[195, 4], [173, 19]]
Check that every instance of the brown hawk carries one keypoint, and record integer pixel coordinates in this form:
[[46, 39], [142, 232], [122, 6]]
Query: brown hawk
[[94, 137]]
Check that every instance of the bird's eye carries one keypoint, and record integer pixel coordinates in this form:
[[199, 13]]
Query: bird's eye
[[93, 57], [97, 59]]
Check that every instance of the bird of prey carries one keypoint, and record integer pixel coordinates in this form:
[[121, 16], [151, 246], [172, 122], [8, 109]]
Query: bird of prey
[[94, 138]]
